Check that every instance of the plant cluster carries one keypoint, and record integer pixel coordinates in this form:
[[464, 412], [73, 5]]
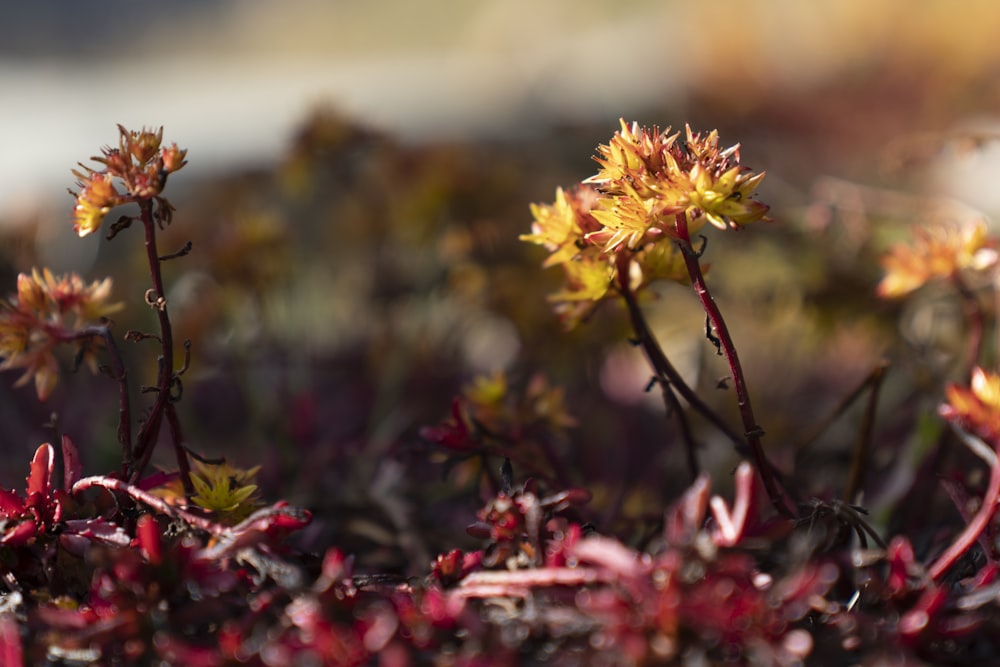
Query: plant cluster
[[193, 567]]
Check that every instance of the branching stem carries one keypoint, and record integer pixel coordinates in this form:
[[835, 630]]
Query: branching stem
[[151, 429], [753, 431]]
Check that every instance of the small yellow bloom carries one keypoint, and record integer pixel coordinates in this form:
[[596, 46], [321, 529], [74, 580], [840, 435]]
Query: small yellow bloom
[[661, 261], [487, 390], [561, 227], [588, 278], [725, 201], [49, 310], [96, 198], [143, 145], [637, 160], [138, 165], [936, 253], [173, 158], [976, 408], [628, 220], [225, 489]]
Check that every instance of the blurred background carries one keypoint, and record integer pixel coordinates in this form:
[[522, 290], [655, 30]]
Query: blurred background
[[360, 171]]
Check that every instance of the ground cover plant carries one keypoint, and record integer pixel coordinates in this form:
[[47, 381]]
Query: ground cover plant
[[499, 531]]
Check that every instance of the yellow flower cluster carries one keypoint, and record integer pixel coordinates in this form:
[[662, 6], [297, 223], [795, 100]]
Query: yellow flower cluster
[[46, 311], [937, 253], [652, 188], [139, 162]]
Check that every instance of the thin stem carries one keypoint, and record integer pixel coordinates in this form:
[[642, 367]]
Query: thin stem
[[753, 431], [124, 405], [972, 530], [841, 407], [157, 503], [862, 446], [150, 430], [667, 374]]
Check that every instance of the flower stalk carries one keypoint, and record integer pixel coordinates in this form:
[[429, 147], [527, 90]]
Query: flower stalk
[[166, 376], [752, 430]]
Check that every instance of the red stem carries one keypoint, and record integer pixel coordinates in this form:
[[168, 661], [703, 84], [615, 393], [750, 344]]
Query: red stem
[[151, 429], [157, 503], [753, 431], [974, 528]]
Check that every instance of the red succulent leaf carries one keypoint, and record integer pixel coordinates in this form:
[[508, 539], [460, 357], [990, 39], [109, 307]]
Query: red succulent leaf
[[11, 652], [611, 555], [452, 567], [558, 552], [732, 522], [147, 534], [901, 565], [262, 526], [453, 433], [448, 567], [72, 468], [11, 504], [914, 622], [686, 517], [79, 534], [336, 566], [175, 651], [441, 609], [19, 534], [39, 481]]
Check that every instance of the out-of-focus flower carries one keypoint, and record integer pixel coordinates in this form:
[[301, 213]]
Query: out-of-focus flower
[[224, 489], [96, 198], [173, 158], [937, 253], [46, 311], [141, 166], [977, 407], [548, 403], [562, 226]]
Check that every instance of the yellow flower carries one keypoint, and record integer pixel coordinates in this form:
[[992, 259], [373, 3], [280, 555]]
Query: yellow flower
[[487, 390], [225, 489], [141, 166], [651, 190], [725, 201], [143, 145], [49, 310], [976, 408], [588, 278], [936, 253], [561, 226], [627, 221], [637, 160], [588, 281], [96, 198], [666, 176], [661, 261], [548, 404], [173, 158]]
